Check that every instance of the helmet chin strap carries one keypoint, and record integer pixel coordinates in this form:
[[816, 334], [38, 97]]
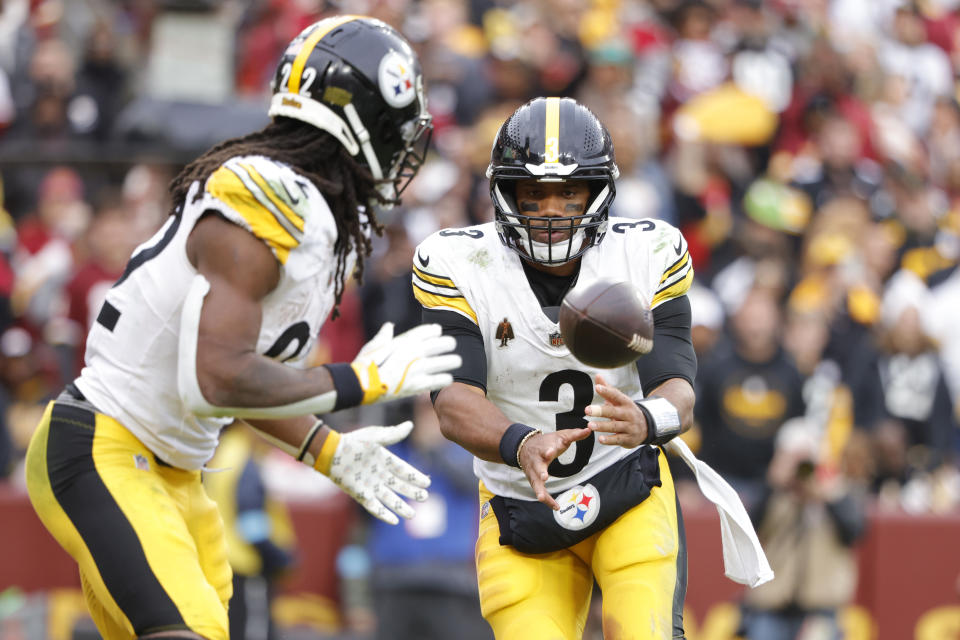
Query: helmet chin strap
[[363, 137]]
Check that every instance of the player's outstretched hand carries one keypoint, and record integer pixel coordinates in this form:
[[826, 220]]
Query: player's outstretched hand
[[539, 451], [415, 361], [625, 425], [373, 476]]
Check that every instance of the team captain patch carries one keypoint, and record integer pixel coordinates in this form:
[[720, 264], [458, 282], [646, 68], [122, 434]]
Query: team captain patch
[[579, 507]]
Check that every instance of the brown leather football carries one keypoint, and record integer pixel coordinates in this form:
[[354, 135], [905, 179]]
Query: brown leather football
[[606, 324]]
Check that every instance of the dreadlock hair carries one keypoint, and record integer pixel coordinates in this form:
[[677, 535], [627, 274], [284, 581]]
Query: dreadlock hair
[[318, 156]]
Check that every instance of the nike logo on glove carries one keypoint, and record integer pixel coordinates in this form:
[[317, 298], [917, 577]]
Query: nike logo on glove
[[423, 261], [679, 246]]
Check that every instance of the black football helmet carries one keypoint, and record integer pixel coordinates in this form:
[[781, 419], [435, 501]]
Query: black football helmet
[[552, 140], [358, 79]]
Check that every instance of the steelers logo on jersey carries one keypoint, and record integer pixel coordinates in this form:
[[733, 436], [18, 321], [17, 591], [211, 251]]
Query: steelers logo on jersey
[[579, 507], [397, 82]]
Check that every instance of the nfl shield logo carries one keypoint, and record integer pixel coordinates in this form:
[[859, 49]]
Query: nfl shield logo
[[556, 339], [141, 462], [484, 510]]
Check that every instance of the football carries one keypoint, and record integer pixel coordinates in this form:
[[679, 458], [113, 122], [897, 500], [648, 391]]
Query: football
[[606, 324]]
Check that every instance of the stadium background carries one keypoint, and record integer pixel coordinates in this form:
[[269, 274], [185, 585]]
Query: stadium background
[[808, 149]]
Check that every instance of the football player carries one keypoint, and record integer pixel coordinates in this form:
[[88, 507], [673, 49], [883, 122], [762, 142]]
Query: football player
[[574, 485], [213, 319]]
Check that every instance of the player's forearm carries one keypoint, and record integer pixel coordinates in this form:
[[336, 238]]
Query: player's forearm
[[470, 420], [681, 395], [294, 436], [252, 380]]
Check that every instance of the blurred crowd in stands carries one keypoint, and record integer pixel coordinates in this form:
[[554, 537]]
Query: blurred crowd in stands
[[809, 150]]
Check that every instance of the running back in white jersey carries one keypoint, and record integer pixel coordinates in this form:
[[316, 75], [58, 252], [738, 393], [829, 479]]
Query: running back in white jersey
[[131, 358], [532, 377]]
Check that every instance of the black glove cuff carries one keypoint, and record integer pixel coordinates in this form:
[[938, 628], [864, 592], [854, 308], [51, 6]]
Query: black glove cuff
[[346, 384], [663, 420], [511, 440]]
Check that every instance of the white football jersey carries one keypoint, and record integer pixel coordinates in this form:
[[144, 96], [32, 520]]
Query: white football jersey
[[532, 377], [131, 360]]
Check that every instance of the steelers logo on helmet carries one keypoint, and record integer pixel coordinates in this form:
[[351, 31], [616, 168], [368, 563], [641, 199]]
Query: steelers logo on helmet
[[397, 81], [579, 507]]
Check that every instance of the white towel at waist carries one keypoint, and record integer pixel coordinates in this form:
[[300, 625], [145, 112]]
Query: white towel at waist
[[743, 557]]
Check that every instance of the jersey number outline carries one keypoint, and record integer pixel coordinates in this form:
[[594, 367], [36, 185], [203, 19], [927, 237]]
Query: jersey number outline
[[299, 331], [582, 385], [149, 252], [645, 225]]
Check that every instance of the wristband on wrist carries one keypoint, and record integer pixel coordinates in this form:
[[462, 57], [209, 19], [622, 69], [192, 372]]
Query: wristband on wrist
[[305, 445], [513, 438], [663, 420], [346, 384]]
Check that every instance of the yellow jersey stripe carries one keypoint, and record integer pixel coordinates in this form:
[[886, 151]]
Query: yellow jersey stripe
[[325, 27], [551, 134], [433, 279], [294, 218], [675, 267], [676, 290], [257, 192], [228, 188], [434, 301]]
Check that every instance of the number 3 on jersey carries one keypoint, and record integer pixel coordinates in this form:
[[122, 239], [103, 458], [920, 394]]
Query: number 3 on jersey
[[582, 385]]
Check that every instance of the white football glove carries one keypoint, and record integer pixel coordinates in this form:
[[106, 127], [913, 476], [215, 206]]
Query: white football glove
[[373, 476], [415, 361]]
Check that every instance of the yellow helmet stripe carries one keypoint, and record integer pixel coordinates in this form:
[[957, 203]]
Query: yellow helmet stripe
[[323, 28], [551, 135]]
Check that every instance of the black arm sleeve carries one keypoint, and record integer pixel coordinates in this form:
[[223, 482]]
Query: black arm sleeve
[[672, 355], [473, 371]]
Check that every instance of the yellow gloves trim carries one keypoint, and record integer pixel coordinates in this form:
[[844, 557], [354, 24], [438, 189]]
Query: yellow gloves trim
[[325, 458], [370, 381]]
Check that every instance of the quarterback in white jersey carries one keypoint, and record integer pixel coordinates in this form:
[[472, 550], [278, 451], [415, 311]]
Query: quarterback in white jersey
[[573, 482], [533, 378], [212, 321]]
